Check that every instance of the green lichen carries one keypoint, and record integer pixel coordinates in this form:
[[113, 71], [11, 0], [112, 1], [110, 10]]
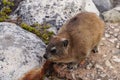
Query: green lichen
[[3, 16], [7, 3], [39, 30], [6, 10], [29, 28]]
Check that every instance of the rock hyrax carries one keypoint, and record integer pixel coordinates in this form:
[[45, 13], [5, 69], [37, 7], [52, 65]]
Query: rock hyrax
[[76, 39]]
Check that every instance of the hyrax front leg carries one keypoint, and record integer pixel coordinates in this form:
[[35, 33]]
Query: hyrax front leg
[[95, 49], [72, 65]]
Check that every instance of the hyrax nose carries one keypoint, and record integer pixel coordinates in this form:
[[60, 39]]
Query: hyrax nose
[[45, 56]]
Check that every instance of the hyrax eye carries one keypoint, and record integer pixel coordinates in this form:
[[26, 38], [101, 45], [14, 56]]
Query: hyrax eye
[[53, 51], [65, 43]]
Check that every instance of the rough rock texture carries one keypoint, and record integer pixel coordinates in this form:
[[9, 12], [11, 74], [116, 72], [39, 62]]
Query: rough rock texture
[[112, 15], [20, 51], [103, 5], [54, 12], [16, 4]]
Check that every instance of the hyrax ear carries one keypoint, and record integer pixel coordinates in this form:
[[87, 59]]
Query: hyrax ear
[[65, 42]]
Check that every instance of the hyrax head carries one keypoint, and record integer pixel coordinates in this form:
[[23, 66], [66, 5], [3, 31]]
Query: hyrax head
[[56, 49]]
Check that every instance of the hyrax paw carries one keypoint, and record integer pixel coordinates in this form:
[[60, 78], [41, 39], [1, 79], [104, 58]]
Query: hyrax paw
[[95, 50]]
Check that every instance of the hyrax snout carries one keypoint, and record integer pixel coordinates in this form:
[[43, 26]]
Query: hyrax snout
[[76, 39]]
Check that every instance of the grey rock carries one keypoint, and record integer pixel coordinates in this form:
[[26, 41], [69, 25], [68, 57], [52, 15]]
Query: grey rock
[[99, 67], [112, 15], [20, 51], [113, 40], [16, 4], [55, 12], [116, 59], [116, 30], [103, 75], [107, 35], [103, 5], [89, 66], [108, 64]]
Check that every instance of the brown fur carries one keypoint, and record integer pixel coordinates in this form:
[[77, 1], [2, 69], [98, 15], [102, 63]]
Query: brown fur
[[38, 73], [83, 32]]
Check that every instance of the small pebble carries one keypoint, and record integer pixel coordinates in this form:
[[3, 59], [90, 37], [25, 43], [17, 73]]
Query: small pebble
[[113, 40], [104, 56], [118, 45], [107, 35], [103, 75], [116, 30], [107, 63], [99, 66], [116, 59], [89, 66]]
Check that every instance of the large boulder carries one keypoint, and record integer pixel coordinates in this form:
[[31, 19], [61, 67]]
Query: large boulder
[[103, 5], [20, 51], [112, 15], [55, 12]]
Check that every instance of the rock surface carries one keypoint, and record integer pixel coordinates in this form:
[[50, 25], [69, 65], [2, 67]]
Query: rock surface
[[103, 5], [112, 15], [20, 51], [54, 12]]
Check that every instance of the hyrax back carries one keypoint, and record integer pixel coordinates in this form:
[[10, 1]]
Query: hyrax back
[[76, 39]]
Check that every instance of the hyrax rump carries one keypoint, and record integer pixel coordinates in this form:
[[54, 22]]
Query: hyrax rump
[[76, 39]]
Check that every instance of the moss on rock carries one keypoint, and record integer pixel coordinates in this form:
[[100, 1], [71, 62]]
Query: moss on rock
[[40, 30], [6, 10]]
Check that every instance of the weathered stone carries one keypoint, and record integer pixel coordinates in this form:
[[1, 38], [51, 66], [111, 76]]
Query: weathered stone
[[116, 29], [115, 34], [103, 5], [107, 35], [113, 40], [118, 45], [89, 66], [116, 59], [54, 12], [99, 66], [112, 15], [103, 75], [20, 51], [108, 64]]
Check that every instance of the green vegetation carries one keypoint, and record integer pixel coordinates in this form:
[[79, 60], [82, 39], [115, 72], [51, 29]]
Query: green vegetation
[[7, 3], [39, 30], [6, 10]]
